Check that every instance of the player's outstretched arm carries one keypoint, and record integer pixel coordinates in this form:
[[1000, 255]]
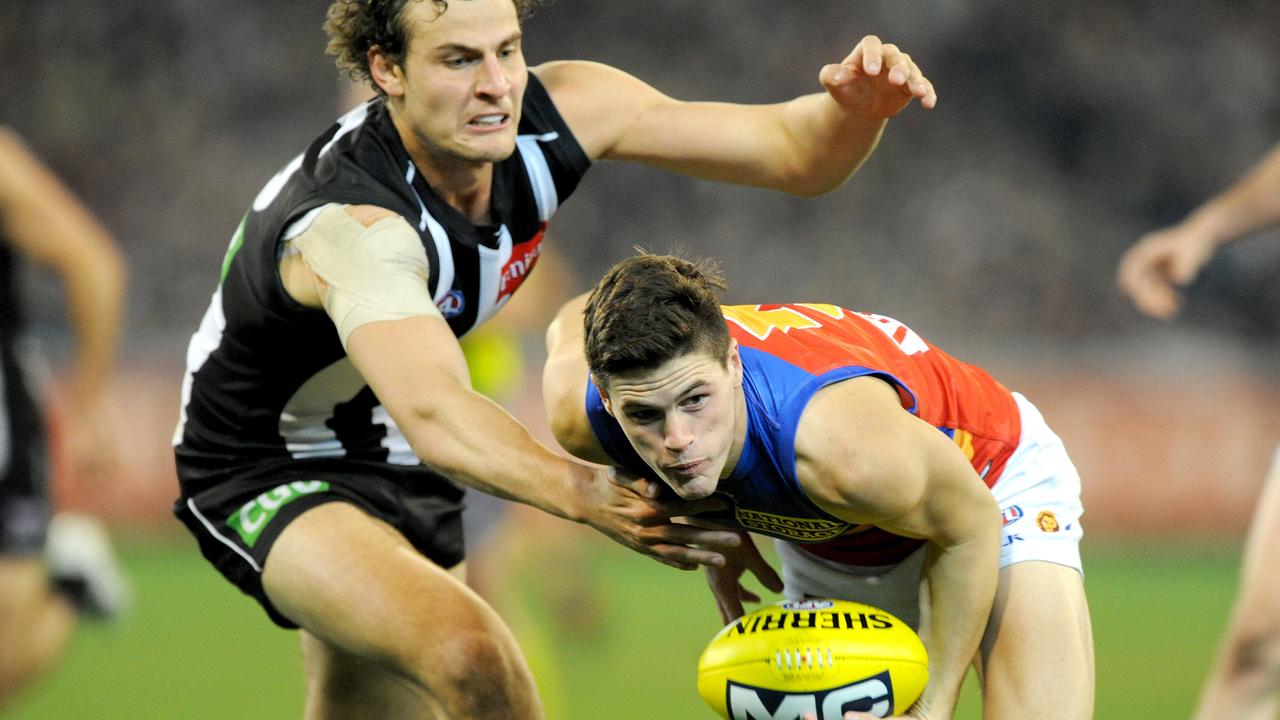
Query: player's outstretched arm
[[807, 146], [1164, 260], [901, 474], [41, 217], [417, 370], [1245, 680], [365, 266]]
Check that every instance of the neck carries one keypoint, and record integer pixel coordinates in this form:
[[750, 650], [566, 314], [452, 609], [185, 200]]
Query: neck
[[466, 185], [739, 432]]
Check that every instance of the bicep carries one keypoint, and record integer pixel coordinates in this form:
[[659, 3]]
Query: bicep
[[617, 116]]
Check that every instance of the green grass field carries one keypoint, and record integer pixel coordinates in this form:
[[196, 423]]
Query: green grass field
[[195, 649]]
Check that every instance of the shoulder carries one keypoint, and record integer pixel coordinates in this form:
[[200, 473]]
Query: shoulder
[[852, 451], [564, 77], [598, 102]]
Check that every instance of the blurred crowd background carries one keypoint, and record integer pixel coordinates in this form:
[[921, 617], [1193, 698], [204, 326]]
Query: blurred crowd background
[[992, 225]]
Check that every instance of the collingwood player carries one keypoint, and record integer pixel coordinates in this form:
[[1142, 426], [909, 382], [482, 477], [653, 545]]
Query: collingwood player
[[327, 419]]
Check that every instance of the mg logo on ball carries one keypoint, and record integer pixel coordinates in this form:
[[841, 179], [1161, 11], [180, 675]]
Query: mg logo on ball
[[871, 695]]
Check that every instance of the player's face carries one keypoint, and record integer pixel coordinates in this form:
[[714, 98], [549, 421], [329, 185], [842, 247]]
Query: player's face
[[686, 419], [463, 79]]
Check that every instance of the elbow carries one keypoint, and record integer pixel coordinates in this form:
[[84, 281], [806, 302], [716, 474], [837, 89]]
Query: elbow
[[811, 180], [114, 271], [809, 189]]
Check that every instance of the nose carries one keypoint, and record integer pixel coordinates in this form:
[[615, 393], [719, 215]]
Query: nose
[[492, 80], [677, 435]]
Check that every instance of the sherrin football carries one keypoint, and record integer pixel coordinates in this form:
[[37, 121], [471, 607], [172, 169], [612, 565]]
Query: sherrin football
[[824, 657]]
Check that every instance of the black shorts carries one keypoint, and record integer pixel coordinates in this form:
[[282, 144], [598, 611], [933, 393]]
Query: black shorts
[[25, 507], [237, 519]]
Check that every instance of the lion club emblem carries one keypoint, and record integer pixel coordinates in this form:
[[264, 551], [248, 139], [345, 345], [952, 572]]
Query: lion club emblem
[[1047, 521]]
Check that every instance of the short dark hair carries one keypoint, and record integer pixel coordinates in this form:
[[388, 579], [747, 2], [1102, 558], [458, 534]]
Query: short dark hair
[[354, 26], [650, 309]]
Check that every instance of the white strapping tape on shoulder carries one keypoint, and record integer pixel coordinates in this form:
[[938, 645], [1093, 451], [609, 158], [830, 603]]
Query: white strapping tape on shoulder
[[373, 273]]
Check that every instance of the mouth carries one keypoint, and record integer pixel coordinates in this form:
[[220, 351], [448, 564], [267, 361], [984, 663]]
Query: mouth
[[489, 122], [687, 469]]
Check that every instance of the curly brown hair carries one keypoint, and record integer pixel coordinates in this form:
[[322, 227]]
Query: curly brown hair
[[354, 26], [650, 309]]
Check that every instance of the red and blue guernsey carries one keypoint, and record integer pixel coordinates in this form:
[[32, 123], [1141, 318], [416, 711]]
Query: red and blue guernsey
[[789, 352]]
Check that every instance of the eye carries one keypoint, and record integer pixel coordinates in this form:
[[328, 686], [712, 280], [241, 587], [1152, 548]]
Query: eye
[[643, 417], [457, 61], [694, 401]]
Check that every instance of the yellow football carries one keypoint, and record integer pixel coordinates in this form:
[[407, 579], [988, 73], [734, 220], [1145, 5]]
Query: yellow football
[[824, 657]]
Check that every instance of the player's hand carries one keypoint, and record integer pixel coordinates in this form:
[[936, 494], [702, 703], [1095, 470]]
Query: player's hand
[[93, 451], [726, 580], [632, 511], [877, 80], [1158, 262]]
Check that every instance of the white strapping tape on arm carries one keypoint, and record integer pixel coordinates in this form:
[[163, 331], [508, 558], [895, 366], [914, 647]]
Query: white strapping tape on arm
[[368, 274]]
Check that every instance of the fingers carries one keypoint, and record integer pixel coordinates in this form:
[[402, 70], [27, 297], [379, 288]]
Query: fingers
[[642, 486], [887, 69], [689, 535], [682, 508], [684, 558], [724, 588], [866, 56], [759, 567], [1145, 276]]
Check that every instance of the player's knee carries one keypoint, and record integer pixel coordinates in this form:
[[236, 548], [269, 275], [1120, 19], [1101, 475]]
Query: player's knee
[[1256, 653], [480, 674], [470, 663]]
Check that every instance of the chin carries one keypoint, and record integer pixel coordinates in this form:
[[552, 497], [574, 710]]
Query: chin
[[696, 489]]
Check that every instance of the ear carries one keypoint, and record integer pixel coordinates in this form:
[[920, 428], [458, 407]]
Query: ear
[[604, 396], [735, 363], [388, 75]]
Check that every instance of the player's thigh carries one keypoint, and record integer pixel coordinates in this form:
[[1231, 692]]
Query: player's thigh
[[354, 582], [23, 587], [1036, 656]]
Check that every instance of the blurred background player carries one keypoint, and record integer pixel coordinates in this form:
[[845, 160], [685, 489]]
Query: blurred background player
[[41, 220], [1245, 679], [808, 418]]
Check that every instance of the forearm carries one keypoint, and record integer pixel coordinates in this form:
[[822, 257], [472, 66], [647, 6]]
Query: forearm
[[827, 143], [962, 584], [1250, 205], [95, 298], [471, 439]]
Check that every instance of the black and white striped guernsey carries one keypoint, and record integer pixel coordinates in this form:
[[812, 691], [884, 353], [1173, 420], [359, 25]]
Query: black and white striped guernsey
[[267, 377]]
